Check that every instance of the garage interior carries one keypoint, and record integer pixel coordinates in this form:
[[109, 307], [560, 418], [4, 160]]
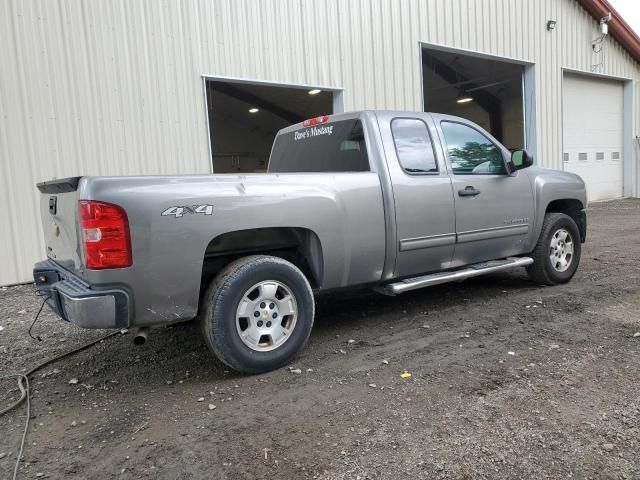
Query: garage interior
[[244, 119], [488, 92]]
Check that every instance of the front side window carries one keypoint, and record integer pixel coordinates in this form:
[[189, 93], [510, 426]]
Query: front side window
[[470, 152], [413, 146], [328, 147]]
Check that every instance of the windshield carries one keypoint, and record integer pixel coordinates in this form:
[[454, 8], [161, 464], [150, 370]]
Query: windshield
[[327, 147]]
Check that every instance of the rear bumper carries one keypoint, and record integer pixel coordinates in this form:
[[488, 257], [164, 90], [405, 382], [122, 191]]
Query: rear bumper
[[77, 302]]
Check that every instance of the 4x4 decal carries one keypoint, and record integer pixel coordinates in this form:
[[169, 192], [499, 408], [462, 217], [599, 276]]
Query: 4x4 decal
[[181, 211]]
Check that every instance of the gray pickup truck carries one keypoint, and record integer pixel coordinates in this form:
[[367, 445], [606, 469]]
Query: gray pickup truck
[[391, 200]]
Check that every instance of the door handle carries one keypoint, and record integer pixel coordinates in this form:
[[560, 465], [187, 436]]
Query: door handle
[[468, 191]]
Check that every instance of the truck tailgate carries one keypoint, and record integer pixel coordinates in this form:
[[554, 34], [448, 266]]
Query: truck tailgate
[[59, 215]]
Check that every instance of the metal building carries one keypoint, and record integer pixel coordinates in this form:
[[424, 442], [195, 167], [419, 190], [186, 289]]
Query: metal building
[[122, 87]]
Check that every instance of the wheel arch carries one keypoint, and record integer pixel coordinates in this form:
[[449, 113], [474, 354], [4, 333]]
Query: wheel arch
[[300, 246], [574, 209]]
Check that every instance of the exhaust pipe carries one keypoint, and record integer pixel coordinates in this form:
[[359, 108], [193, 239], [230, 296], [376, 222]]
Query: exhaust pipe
[[140, 336]]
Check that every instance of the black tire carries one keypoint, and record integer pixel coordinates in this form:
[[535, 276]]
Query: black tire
[[542, 269], [227, 290]]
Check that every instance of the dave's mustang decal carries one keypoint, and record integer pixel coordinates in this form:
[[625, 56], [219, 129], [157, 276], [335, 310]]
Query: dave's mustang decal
[[181, 211]]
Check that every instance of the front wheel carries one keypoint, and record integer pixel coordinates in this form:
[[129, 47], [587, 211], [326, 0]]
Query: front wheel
[[557, 253], [258, 313]]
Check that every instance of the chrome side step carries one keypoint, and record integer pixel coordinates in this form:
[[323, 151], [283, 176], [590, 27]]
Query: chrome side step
[[470, 271]]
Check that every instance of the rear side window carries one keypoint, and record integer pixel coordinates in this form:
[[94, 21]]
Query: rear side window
[[413, 146], [326, 147]]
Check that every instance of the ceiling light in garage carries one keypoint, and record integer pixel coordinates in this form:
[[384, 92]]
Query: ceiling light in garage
[[464, 99], [315, 91], [253, 110]]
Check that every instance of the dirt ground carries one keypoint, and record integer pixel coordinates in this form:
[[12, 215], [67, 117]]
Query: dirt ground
[[509, 380]]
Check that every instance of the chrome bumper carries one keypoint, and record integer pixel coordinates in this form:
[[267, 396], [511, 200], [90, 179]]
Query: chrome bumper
[[78, 302]]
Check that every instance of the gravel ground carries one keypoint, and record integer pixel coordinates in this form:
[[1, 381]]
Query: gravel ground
[[508, 380]]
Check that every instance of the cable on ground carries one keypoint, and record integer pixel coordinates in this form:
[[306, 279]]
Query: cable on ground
[[23, 384], [37, 337]]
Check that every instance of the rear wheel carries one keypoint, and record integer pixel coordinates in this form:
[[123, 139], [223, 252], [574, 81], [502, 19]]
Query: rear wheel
[[258, 313], [557, 253]]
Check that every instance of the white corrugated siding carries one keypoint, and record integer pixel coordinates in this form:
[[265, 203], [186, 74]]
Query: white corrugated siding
[[114, 86]]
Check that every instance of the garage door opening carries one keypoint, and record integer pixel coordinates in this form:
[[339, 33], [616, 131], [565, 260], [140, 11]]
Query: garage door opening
[[488, 92], [245, 117]]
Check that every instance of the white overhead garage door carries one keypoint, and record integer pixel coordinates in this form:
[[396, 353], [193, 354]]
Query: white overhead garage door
[[592, 116]]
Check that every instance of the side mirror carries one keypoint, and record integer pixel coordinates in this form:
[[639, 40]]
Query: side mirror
[[520, 159]]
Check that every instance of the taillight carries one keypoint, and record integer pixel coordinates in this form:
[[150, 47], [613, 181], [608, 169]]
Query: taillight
[[105, 235]]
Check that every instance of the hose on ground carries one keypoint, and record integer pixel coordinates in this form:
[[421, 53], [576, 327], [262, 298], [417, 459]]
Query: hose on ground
[[23, 384]]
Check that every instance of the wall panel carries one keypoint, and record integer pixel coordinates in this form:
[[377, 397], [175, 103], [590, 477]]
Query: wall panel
[[113, 87]]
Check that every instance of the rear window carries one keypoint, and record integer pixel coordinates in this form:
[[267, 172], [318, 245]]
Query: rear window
[[326, 147]]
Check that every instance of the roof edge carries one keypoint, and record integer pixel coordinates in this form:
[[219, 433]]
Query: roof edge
[[619, 29]]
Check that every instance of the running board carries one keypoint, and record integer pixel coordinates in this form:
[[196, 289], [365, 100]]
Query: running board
[[474, 270]]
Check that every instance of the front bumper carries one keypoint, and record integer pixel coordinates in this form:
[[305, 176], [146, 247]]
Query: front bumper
[[78, 302]]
